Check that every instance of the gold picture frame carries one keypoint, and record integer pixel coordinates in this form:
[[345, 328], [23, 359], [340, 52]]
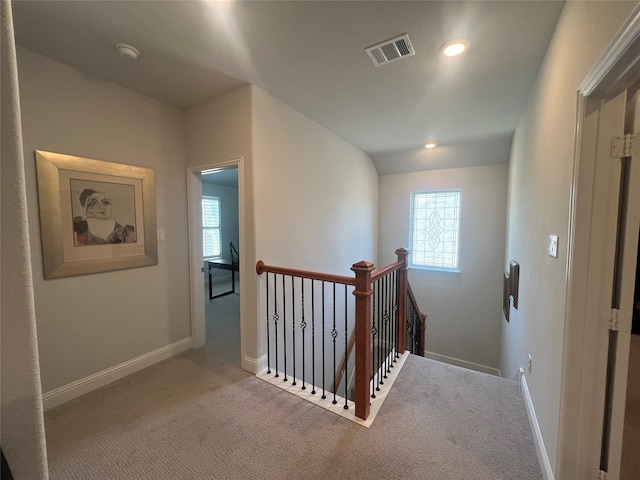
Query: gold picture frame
[[95, 216]]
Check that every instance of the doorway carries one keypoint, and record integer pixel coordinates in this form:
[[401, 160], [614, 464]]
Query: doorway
[[222, 181], [221, 260]]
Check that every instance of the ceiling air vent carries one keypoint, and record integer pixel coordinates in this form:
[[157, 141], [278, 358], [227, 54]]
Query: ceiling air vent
[[390, 50]]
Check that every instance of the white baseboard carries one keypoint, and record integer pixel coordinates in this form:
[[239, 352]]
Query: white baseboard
[[93, 382], [463, 363], [254, 365], [543, 458]]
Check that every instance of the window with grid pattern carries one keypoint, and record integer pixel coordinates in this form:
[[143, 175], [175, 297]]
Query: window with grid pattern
[[211, 242], [435, 230]]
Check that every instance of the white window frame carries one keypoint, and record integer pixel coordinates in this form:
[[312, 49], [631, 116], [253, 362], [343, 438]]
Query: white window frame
[[454, 267], [214, 228]]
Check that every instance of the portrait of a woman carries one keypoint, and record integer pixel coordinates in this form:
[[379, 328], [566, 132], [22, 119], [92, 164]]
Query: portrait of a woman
[[97, 224]]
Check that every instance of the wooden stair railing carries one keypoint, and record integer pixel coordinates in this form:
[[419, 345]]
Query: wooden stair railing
[[422, 318], [365, 276]]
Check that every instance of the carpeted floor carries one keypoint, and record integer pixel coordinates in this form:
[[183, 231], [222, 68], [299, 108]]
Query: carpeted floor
[[198, 416]]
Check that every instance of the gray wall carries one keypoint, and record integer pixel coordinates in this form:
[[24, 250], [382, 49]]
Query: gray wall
[[539, 195], [464, 310], [89, 323]]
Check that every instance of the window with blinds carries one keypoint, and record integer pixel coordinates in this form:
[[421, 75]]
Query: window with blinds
[[211, 237], [435, 230]]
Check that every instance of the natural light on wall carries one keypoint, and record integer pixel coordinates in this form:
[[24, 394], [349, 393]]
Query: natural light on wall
[[435, 230]]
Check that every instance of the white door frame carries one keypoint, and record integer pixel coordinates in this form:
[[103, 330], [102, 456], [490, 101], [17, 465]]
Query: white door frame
[[585, 340], [194, 194]]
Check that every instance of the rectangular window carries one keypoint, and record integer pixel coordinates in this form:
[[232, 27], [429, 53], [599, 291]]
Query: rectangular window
[[435, 230], [211, 238]]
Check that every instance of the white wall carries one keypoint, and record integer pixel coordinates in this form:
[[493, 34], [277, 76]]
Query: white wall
[[89, 323], [316, 196], [539, 194], [464, 310]]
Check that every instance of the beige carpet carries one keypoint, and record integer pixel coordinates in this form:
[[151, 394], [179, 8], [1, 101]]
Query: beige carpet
[[198, 416]]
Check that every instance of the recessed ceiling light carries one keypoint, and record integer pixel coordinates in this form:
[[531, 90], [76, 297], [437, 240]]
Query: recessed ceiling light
[[454, 48], [430, 145]]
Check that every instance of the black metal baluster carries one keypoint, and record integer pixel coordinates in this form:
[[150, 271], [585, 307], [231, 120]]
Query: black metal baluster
[[275, 316], [284, 325], [374, 330], [379, 320], [313, 338], [346, 351], [396, 318], [392, 356], [268, 345], [407, 327], [410, 331], [323, 335], [303, 325], [334, 334], [390, 316], [385, 317], [293, 326]]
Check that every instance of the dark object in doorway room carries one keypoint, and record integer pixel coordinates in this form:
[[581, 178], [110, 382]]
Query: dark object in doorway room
[[5, 473]]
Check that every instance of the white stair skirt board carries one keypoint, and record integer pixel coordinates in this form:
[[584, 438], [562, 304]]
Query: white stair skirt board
[[88, 384], [338, 408], [545, 465], [463, 363]]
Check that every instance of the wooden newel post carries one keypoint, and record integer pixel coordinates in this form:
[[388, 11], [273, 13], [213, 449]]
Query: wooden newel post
[[363, 293], [402, 254]]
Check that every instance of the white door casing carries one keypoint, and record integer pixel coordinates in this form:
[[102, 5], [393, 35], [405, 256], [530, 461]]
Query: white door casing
[[591, 254], [194, 191], [623, 297]]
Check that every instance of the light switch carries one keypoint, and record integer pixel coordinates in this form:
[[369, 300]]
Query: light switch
[[161, 234], [553, 246]]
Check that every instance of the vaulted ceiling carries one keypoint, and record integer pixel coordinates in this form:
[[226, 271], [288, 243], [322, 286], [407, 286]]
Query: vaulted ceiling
[[311, 55]]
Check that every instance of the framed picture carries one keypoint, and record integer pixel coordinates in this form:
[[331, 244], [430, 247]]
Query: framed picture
[[95, 216], [514, 272], [506, 299]]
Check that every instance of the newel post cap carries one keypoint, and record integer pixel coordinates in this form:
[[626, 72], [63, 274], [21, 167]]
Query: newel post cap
[[362, 266]]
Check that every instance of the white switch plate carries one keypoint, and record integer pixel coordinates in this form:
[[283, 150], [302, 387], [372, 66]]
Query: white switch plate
[[553, 246], [161, 234]]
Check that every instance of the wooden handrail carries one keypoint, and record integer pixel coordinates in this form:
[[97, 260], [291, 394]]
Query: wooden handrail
[[385, 270], [326, 277]]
